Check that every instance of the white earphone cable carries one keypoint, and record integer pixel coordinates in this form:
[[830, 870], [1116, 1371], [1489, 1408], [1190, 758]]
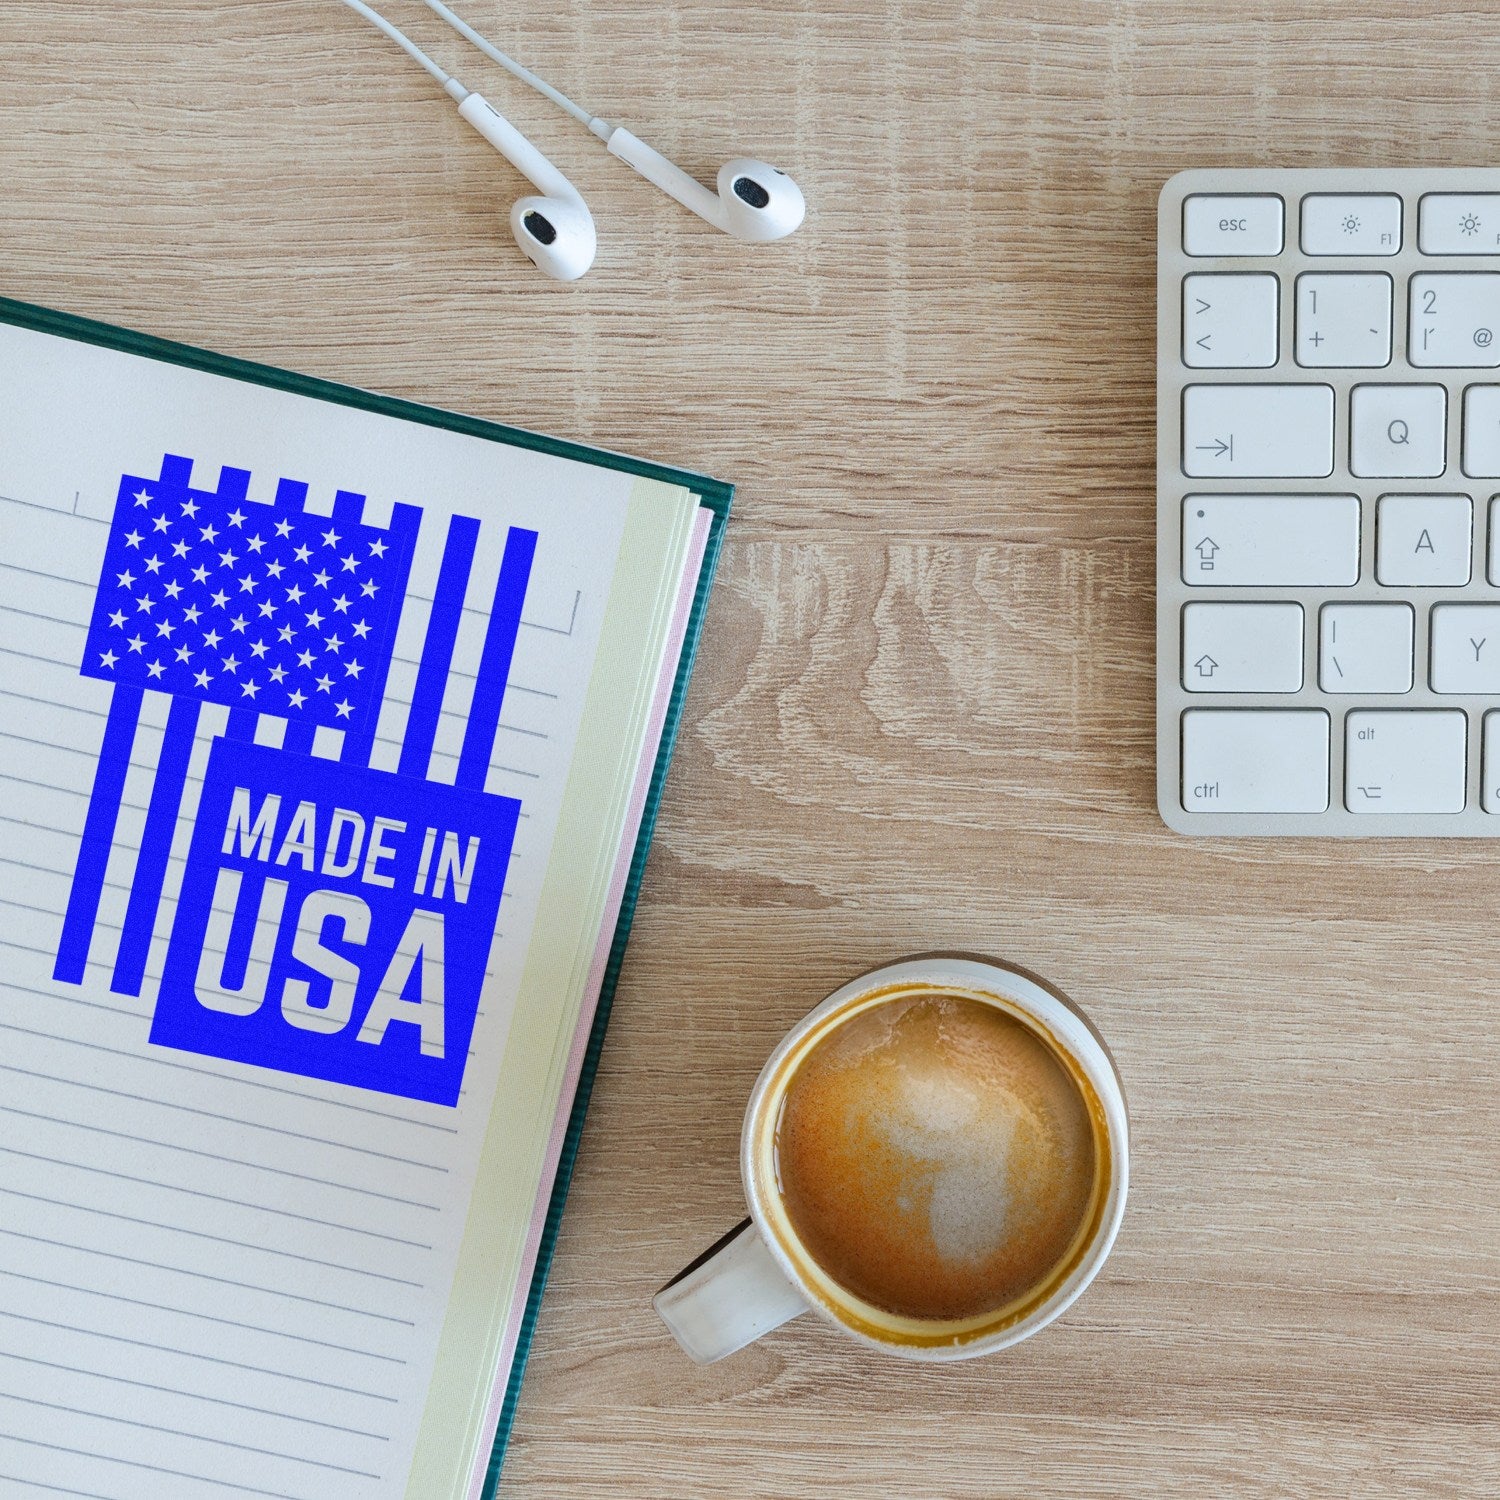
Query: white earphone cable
[[401, 39], [491, 51]]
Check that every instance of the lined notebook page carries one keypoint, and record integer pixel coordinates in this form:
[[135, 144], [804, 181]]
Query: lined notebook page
[[217, 1279]]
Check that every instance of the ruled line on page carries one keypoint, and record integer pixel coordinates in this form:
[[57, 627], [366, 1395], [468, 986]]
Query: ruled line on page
[[172, 1187], [202, 1234], [253, 1083], [243, 1489], [197, 1437], [210, 1359], [247, 1286], [296, 1135], [64, 1040], [233, 1161], [56, 1489], [202, 1317], [168, 1390]]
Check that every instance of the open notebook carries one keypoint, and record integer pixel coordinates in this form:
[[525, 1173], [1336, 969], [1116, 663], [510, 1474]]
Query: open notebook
[[331, 732]]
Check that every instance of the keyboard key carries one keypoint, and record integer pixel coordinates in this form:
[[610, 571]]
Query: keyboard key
[[1494, 571], [1466, 648], [1422, 541], [1459, 224], [1242, 648], [1229, 322], [1344, 320], [1453, 320], [1257, 431], [1239, 225], [1406, 761], [1482, 431], [1397, 431], [1351, 224], [1250, 760], [1489, 792], [1270, 541], [1365, 648]]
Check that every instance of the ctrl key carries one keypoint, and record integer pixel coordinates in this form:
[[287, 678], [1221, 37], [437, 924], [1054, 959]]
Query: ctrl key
[[1249, 760]]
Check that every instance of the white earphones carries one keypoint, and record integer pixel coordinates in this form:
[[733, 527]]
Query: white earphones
[[755, 201], [553, 228], [556, 229]]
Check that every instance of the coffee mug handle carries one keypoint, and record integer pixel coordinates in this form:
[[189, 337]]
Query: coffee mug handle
[[727, 1298]]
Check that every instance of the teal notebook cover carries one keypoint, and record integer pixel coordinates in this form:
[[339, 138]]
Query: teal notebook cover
[[714, 494]]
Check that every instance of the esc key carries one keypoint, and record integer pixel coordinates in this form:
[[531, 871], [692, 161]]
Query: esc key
[[1244, 224]]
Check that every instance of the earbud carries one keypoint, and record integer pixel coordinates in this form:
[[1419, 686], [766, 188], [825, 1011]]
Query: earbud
[[554, 229], [755, 201]]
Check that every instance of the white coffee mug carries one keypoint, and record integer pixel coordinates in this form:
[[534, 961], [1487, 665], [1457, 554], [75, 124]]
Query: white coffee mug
[[760, 1276]]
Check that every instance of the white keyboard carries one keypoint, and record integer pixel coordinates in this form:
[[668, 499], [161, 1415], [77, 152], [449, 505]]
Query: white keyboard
[[1328, 503]]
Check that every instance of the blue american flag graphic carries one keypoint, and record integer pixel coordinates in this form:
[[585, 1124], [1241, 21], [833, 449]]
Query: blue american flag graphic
[[205, 595]]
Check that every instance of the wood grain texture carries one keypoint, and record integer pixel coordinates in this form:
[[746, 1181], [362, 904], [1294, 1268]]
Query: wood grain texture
[[923, 713]]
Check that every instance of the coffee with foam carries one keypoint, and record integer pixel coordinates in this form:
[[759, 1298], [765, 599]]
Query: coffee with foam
[[936, 1156]]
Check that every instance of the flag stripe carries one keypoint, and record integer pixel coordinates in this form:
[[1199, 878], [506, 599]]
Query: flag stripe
[[98, 834], [234, 484], [437, 648], [494, 661], [177, 473], [348, 508], [291, 495], [359, 744], [300, 735], [156, 845], [241, 725]]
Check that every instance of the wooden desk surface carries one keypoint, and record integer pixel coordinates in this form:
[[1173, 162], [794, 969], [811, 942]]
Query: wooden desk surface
[[923, 714]]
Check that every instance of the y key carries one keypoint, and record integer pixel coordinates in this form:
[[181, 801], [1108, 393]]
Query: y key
[[1466, 648]]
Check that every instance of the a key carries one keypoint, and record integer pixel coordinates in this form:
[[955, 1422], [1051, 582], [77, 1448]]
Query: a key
[[1242, 224], [1453, 319], [1229, 322], [1482, 431], [1459, 224], [1270, 541], [1242, 648], [1237, 760], [1344, 320], [1397, 431], [1422, 541], [1494, 573], [1489, 796], [1466, 648], [1405, 761], [1257, 431], [1351, 224], [1365, 648]]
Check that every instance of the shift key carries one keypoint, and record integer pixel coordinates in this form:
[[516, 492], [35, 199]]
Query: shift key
[[1257, 431]]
